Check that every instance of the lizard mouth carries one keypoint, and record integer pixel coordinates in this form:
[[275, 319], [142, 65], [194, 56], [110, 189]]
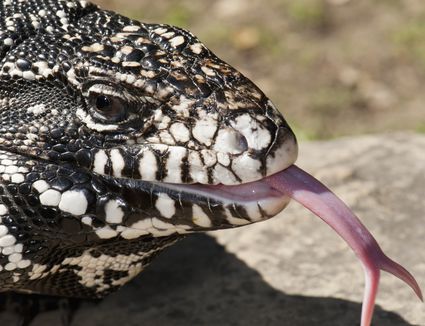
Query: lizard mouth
[[251, 202], [206, 187], [255, 191]]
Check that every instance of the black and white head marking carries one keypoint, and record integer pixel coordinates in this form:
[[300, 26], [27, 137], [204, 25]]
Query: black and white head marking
[[117, 138]]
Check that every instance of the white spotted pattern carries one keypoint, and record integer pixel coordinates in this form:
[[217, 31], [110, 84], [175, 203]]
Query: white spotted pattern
[[165, 205], [73, 202], [50, 197], [176, 41], [3, 230], [148, 166], [3, 210], [92, 269], [117, 162], [113, 212], [257, 136], [205, 130], [40, 186], [106, 232], [180, 132], [200, 218], [173, 167], [100, 161]]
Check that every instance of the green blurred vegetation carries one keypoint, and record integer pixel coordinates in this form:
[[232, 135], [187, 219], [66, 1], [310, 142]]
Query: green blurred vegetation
[[333, 67], [178, 15], [307, 13], [410, 39]]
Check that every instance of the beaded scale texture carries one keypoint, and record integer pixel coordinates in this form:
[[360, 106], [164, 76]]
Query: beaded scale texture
[[113, 134]]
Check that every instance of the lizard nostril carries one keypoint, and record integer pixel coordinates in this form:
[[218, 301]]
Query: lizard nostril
[[230, 141], [242, 142]]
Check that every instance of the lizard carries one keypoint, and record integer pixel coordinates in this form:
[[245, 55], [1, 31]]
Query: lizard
[[118, 138]]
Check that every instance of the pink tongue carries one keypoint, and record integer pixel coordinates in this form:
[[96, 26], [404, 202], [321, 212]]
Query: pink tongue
[[316, 197]]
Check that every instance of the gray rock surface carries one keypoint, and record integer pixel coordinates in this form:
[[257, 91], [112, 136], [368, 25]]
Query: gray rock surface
[[293, 269]]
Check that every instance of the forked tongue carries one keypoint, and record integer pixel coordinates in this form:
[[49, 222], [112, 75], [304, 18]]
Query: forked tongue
[[311, 193]]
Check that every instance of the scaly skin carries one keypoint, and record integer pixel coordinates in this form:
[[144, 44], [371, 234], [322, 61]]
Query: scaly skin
[[99, 114], [117, 138]]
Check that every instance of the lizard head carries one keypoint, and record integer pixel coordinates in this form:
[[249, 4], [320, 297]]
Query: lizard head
[[173, 131]]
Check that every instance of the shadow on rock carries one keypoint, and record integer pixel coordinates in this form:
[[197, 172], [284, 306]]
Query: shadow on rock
[[196, 282]]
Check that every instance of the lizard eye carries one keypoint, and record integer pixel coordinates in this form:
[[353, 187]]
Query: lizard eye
[[103, 103], [108, 108]]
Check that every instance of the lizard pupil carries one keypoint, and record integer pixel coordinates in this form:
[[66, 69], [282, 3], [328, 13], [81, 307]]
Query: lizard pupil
[[103, 102]]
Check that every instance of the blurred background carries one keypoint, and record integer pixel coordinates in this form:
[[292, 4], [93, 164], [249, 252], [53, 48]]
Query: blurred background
[[333, 67]]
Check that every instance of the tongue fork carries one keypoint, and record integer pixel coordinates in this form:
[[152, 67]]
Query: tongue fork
[[316, 197]]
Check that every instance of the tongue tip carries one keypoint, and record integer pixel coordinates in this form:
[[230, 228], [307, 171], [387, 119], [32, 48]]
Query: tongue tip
[[403, 274], [372, 274], [415, 287], [312, 194]]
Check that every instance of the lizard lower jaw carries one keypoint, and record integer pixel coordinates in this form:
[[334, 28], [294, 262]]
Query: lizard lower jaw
[[259, 199]]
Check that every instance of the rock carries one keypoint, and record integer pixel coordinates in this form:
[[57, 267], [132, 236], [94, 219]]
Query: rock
[[382, 178], [292, 269]]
